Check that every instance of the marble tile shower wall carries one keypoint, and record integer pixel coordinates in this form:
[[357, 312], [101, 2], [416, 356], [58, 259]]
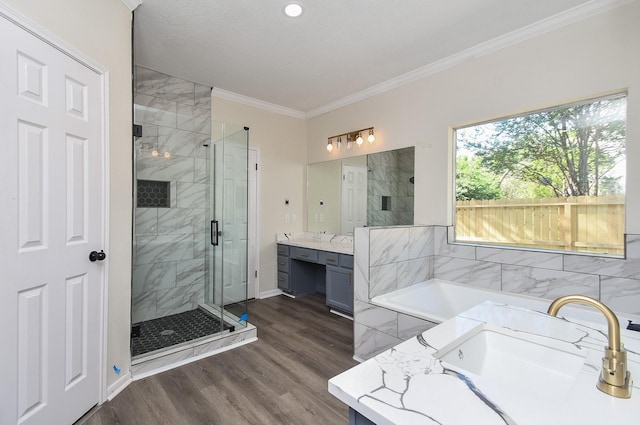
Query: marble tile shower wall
[[169, 243], [390, 174], [391, 258]]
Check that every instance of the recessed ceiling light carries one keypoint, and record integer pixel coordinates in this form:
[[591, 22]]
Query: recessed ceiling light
[[293, 10]]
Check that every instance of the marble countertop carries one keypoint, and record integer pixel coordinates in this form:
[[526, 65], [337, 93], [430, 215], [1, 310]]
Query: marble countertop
[[320, 241], [408, 384]]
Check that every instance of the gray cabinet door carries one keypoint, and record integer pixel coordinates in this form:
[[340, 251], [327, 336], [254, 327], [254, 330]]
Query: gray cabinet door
[[340, 289]]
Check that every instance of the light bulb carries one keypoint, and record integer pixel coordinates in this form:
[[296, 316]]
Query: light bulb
[[167, 155], [154, 153], [339, 143], [359, 139], [293, 10], [371, 138], [329, 146]]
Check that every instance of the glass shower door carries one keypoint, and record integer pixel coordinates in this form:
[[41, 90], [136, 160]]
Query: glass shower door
[[227, 283]]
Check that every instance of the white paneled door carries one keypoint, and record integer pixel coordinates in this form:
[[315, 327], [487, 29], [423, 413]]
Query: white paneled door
[[51, 219], [234, 219], [354, 198]]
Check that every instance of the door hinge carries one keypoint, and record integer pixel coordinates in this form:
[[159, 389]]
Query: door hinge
[[256, 166], [256, 273]]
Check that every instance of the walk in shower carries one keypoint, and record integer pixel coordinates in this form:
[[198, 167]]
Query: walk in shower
[[190, 223]]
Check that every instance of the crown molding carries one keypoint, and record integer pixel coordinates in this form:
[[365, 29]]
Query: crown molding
[[568, 17], [256, 103], [132, 4]]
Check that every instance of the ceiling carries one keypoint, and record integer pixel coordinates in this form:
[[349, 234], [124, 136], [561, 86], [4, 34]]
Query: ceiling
[[335, 50]]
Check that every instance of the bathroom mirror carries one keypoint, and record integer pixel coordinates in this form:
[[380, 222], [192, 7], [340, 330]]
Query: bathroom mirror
[[367, 190]]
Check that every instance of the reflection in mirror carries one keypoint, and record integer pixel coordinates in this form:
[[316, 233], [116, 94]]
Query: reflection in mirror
[[368, 190]]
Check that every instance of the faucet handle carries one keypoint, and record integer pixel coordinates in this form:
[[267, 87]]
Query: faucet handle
[[633, 326]]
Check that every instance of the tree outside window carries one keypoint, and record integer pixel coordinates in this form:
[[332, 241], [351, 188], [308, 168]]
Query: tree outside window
[[550, 179]]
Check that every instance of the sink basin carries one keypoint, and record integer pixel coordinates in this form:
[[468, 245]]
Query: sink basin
[[515, 361]]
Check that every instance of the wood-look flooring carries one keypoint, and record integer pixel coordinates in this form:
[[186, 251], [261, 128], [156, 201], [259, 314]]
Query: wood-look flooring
[[279, 379]]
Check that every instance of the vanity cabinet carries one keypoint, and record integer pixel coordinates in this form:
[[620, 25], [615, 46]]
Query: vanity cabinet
[[298, 271], [305, 271], [284, 283], [340, 284]]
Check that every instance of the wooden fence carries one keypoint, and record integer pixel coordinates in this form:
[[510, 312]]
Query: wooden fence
[[584, 223]]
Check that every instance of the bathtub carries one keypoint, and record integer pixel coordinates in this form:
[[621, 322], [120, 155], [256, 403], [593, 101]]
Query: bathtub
[[438, 300]]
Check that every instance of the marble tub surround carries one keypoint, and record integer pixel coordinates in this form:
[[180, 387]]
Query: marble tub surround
[[391, 258], [320, 241], [548, 275], [387, 259], [438, 300], [410, 384], [169, 254]]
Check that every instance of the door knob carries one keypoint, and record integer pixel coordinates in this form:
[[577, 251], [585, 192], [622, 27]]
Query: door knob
[[97, 256]]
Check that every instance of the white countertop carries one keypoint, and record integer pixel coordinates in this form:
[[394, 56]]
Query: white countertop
[[320, 241], [408, 384]]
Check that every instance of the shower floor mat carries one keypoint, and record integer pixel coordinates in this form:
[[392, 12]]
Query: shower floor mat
[[168, 331]]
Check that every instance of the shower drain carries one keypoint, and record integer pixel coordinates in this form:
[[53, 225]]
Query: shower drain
[[167, 332]]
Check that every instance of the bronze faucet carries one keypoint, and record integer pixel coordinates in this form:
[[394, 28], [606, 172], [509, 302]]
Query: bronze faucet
[[615, 379]]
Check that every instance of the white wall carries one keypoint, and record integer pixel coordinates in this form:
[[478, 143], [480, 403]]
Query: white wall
[[591, 57], [282, 173], [101, 29], [324, 184]]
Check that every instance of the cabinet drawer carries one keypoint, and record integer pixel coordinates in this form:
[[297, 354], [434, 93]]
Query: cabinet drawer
[[346, 261], [283, 264], [329, 258], [283, 250], [283, 281], [304, 254]]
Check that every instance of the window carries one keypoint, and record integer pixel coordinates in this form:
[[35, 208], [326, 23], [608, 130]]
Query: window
[[550, 179]]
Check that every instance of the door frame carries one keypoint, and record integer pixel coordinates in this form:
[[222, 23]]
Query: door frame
[[37, 31], [256, 208]]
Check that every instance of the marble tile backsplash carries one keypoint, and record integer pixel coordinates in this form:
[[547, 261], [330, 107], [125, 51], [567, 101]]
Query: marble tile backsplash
[[391, 258], [169, 243]]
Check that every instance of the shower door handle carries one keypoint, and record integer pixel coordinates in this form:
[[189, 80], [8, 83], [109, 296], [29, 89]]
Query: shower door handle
[[214, 232]]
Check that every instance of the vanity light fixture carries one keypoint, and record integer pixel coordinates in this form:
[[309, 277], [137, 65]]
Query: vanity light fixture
[[329, 145], [371, 138], [155, 154], [351, 136]]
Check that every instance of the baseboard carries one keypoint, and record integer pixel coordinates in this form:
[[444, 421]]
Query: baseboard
[[122, 383], [358, 359], [271, 293], [339, 313]]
